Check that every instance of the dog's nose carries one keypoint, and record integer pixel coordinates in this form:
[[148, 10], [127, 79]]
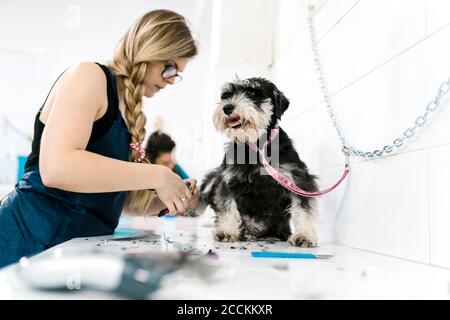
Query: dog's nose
[[228, 109]]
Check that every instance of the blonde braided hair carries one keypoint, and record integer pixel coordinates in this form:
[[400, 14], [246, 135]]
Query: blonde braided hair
[[157, 36]]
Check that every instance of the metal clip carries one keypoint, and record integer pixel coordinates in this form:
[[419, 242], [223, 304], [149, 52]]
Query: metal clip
[[314, 6], [347, 157]]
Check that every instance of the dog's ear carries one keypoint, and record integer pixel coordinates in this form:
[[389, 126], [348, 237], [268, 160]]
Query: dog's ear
[[280, 102]]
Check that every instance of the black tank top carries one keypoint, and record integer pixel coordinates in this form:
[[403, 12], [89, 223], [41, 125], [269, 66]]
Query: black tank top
[[100, 126]]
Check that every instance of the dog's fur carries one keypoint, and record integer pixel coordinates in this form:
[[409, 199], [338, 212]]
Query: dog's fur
[[248, 202]]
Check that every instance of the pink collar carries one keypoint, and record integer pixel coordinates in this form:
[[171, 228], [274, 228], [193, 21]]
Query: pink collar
[[285, 181], [273, 134]]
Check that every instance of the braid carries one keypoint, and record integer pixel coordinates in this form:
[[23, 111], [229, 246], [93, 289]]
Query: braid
[[158, 36], [134, 89]]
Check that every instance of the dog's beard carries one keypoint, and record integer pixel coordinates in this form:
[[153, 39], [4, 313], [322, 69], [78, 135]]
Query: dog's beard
[[246, 123]]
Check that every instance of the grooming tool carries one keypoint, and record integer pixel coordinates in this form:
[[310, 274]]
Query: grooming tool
[[166, 210], [268, 254], [132, 276]]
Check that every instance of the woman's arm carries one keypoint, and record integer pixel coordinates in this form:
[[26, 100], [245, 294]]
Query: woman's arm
[[64, 162]]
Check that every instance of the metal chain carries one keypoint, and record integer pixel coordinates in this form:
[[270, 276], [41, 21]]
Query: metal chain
[[397, 143]]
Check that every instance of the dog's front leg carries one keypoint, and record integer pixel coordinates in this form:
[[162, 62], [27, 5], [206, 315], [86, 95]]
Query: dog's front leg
[[303, 222], [229, 224]]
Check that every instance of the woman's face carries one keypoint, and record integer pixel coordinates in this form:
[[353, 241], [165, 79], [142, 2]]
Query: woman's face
[[154, 80], [166, 159]]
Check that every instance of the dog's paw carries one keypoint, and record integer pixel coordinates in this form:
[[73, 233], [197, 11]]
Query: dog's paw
[[223, 236], [300, 240], [190, 212]]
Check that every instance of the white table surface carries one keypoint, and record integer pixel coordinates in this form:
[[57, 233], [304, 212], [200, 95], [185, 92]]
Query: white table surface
[[350, 274]]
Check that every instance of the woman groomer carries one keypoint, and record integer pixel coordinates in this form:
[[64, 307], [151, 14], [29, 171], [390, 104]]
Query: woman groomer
[[87, 158]]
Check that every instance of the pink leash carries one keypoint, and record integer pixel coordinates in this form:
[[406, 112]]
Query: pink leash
[[285, 181]]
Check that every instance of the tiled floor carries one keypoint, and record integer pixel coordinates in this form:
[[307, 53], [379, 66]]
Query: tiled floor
[[349, 274]]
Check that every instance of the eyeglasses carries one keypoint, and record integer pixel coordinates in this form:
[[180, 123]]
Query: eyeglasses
[[171, 71]]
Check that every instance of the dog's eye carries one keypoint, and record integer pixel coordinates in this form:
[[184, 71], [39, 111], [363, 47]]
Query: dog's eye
[[252, 94], [225, 95]]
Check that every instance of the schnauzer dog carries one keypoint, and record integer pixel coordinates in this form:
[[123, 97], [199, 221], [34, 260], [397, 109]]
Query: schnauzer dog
[[249, 203]]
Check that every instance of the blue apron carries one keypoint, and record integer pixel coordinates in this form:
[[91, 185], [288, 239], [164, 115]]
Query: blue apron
[[34, 217]]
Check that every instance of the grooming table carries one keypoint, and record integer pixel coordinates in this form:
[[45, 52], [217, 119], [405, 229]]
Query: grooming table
[[349, 274]]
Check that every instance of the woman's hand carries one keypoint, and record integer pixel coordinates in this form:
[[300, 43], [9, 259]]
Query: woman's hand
[[172, 191], [195, 199], [195, 191]]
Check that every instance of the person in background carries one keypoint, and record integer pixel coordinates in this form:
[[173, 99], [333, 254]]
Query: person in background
[[160, 150]]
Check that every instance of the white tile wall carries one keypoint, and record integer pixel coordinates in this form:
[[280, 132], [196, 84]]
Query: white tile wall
[[290, 17], [401, 200], [346, 112], [245, 22], [354, 224], [354, 45], [376, 115], [317, 142], [336, 204], [440, 205], [331, 13], [331, 52], [421, 71], [298, 80], [326, 141], [397, 25], [385, 61], [302, 132], [437, 14]]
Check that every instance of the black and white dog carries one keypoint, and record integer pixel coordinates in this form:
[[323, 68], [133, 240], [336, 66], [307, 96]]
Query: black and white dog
[[249, 203]]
